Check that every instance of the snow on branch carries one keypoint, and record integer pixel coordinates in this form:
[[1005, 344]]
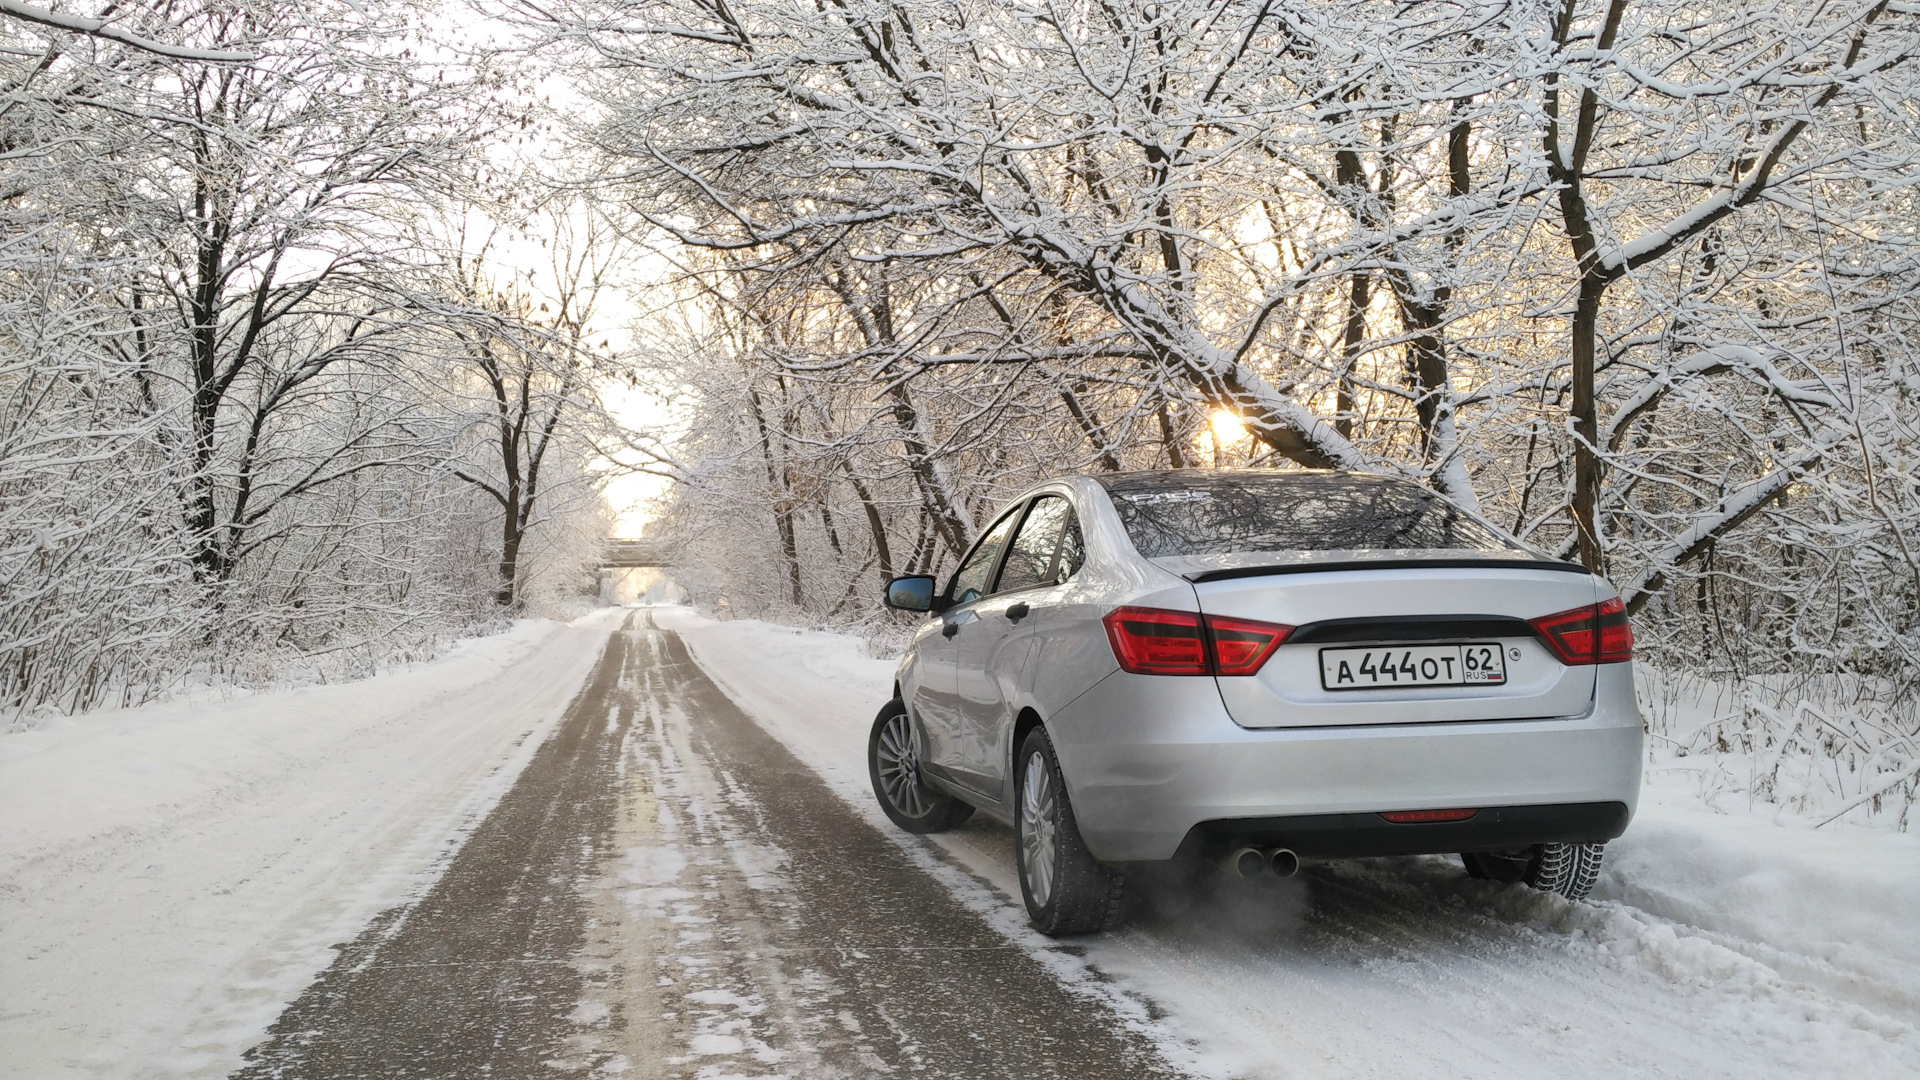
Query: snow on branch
[[102, 28], [1732, 511], [1714, 361]]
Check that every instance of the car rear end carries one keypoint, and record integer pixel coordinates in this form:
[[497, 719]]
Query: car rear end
[[1329, 693]]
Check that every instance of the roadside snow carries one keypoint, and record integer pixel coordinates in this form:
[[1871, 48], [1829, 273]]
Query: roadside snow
[[1837, 906], [1716, 944], [172, 875]]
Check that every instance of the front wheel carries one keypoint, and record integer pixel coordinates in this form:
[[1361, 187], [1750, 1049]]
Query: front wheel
[[1067, 890], [893, 764]]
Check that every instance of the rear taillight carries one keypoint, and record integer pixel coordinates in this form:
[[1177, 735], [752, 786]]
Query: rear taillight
[[1593, 634], [1616, 634], [1240, 646], [1148, 641], [1153, 641]]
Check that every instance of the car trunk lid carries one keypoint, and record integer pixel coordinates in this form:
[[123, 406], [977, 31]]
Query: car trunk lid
[[1407, 608]]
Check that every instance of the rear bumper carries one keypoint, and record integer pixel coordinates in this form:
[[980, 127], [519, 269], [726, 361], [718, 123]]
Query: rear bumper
[[1497, 828], [1149, 760]]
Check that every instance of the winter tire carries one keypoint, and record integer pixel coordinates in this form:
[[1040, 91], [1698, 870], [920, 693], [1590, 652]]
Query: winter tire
[[1067, 890], [893, 764], [1571, 870]]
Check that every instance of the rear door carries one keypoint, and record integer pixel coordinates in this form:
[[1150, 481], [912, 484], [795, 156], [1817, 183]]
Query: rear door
[[995, 650]]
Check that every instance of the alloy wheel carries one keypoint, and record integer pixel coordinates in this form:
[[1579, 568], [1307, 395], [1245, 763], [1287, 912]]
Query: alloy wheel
[[898, 765], [1038, 822]]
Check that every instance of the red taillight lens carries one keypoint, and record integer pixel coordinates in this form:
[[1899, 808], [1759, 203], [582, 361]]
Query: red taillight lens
[[1422, 817], [1148, 641], [1594, 634], [1616, 634], [1240, 646], [1151, 641], [1568, 634]]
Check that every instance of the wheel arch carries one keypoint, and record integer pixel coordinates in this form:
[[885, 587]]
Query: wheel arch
[[1027, 720], [913, 718]]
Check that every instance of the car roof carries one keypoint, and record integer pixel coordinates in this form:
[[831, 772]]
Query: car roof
[[1176, 479]]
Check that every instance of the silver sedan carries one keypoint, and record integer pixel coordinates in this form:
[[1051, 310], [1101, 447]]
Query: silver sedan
[[1248, 667]]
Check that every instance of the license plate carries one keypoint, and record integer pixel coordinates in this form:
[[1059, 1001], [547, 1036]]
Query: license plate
[[1382, 668]]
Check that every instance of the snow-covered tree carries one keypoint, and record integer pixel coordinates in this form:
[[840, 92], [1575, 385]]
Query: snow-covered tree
[[230, 444]]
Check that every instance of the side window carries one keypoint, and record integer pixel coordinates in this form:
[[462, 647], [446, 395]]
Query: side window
[[1031, 561], [970, 581], [1073, 552]]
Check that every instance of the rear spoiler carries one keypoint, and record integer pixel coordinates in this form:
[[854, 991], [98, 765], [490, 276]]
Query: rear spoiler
[[1383, 564]]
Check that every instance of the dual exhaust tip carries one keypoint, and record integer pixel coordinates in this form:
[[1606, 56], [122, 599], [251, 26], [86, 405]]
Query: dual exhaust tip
[[1253, 864]]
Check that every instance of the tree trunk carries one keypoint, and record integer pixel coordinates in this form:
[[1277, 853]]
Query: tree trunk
[[1586, 425], [1175, 459], [873, 313], [950, 519], [874, 522], [203, 512], [507, 595], [1090, 427], [782, 503], [1356, 332]]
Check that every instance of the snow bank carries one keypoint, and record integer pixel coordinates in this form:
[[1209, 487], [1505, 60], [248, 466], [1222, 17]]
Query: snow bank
[[1835, 906], [171, 875]]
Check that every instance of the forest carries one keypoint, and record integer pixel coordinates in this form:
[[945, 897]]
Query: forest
[[324, 324]]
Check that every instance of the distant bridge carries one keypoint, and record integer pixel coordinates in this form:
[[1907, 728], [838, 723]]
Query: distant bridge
[[621, 554]]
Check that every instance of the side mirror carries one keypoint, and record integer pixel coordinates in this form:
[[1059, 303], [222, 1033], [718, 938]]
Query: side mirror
[[911, 593]]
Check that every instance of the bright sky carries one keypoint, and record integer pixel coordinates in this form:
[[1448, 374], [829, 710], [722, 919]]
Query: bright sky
[[525, 257], [618, 309], [630, 493]]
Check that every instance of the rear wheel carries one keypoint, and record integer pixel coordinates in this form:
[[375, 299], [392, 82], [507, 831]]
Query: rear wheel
[[1067, 890], [893, 763], [1571, 870]]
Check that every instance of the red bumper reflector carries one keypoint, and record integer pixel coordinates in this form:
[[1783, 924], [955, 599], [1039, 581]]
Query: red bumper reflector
[[1421, 817]]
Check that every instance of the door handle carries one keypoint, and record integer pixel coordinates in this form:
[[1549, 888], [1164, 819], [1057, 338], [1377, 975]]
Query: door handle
[[1018, 611], [952, 628]]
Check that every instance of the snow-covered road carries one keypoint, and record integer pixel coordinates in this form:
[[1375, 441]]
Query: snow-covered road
[[171, 878]]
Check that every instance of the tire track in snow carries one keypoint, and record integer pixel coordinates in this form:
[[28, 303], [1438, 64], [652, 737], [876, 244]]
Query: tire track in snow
[[753, 925]]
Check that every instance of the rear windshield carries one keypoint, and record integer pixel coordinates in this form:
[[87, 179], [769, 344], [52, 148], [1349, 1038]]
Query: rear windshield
[[1212, 513]]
